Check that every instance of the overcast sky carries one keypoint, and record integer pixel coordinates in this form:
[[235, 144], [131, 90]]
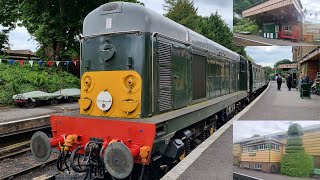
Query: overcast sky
[[313, 7], [205, 8], [246, 129], [269, 55], [21, 39]]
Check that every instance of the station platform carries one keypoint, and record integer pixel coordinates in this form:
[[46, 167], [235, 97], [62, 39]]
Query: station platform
[[255, 40], [283, 105], [212, 159], [8, 114], [22, 119]]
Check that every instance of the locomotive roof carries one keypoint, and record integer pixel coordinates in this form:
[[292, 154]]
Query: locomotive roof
[[123, 16]]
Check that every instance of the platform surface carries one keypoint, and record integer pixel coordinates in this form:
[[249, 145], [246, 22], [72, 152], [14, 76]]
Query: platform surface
[[8, 114], [284, 105], [255, 40], [215, 162]]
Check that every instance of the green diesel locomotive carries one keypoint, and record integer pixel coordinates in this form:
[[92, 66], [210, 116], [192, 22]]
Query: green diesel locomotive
[[151, 91]]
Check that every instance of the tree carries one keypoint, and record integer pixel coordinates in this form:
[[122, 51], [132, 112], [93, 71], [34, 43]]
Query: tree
[[241, 50], [212, 27], [268, 69], [296, 162], [54, 23], [3, 42], [183, 12], [241, 5], [284, 61]]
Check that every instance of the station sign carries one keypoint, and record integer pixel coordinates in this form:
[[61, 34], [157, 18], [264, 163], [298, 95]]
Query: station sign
[[288, 66]]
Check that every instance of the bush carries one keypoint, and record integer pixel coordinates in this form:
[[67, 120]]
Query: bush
[[296, 164], [245, 24], [15, 79], [295, 141], [295, 130]]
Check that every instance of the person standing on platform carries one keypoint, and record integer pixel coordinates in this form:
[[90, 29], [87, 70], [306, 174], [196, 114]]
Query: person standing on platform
[[306, 79], [279, 82], [289, 82], [300, 82]]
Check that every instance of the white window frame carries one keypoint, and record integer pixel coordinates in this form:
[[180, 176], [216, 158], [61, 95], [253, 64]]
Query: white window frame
[[257, 166]]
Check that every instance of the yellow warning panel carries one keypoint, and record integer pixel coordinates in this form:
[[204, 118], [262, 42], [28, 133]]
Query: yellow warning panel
[[111, 94]]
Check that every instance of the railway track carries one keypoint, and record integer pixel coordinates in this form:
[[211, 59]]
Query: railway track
[[30, 169], [15, 145], [31, 166]]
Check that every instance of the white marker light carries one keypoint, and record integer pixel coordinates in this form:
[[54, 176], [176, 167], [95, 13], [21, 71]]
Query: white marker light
[[104, 101]]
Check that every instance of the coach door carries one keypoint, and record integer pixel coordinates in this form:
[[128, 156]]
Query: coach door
[[181, 75], [211, 76]]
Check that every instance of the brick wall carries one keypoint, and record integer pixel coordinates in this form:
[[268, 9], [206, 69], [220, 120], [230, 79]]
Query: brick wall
[[265, 167]]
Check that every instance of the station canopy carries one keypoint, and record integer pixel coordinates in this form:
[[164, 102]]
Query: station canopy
[[275, 10], [312, 56]]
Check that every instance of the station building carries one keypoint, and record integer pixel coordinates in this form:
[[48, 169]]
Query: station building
[[311, 32], [308, 60], [264, 153], [280, 19], [23, 54]]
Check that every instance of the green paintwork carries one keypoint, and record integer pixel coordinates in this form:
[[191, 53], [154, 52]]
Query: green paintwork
[[222, 77], [244, 74], [268, 28], [181, 69], [94, 59]]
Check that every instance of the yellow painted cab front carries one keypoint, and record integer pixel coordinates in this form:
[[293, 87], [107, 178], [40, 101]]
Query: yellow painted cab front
[[111, 94]]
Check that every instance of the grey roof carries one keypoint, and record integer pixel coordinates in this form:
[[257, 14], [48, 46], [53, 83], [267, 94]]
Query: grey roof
[[21, 52], [283, 133], [123, 17], [263, 139]]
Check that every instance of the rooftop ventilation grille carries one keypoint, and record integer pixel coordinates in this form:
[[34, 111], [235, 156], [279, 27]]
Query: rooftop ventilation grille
[[109, 7]]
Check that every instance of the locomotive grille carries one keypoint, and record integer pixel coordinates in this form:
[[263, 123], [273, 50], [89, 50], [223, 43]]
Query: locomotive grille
[[165, 55]]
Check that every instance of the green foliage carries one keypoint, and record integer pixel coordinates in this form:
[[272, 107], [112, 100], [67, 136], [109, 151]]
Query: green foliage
[[3, 41], [284, 61], [295, 141], [296, 162], [54, 24], [295, 130], [246, 24], [241, 5], [241, 50], [15, 79], [184, 12], [268, 69], [212, 27]]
